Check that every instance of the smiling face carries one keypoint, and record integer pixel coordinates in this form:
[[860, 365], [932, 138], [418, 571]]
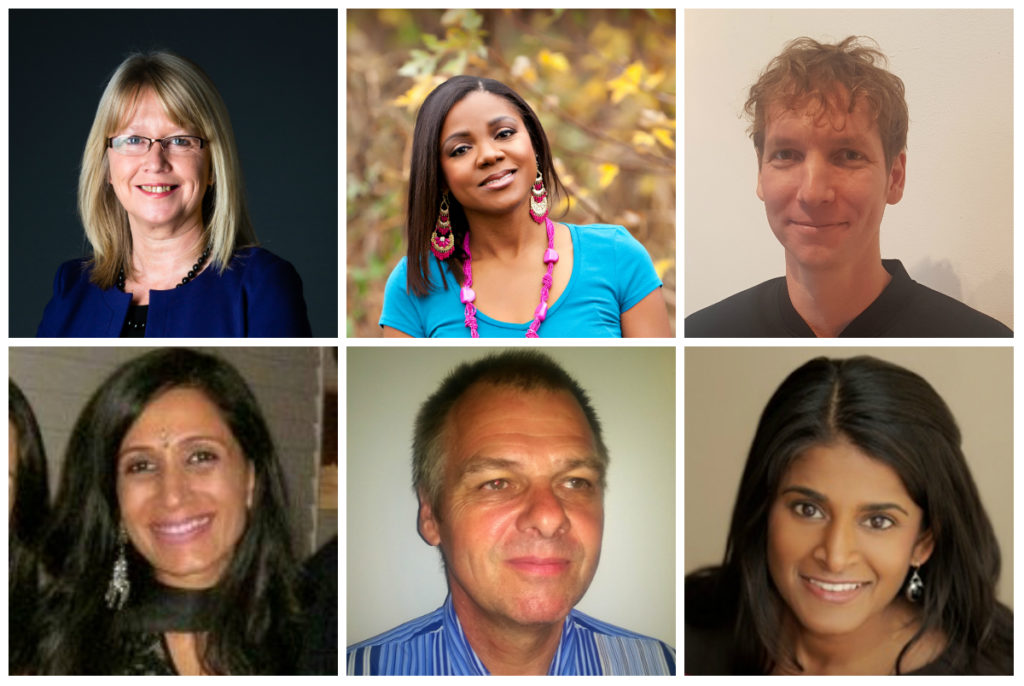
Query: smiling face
[[486, 155], [522, 512], [842, 534], [183, 487], [825, 184], [158, 190]]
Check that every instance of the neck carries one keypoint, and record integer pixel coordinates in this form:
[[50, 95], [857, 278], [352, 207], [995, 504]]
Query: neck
[[161, 260], [872, 648], [504, 647], [504, 237], [829, 299]]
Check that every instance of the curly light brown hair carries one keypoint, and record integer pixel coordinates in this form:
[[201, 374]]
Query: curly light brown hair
[[825, 77]]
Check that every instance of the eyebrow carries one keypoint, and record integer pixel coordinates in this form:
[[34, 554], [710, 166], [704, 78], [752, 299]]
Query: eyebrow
[[198, 438], [787, 142], [820, 497], [483, 464], [490, 124]]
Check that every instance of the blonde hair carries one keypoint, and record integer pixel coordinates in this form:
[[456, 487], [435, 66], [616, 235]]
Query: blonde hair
[[190, 99]]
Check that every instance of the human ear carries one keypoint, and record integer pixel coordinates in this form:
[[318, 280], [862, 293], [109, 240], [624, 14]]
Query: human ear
[[897, 179], [923, 548], [427, 524]]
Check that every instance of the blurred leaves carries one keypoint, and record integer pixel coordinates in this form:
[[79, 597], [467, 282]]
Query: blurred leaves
[[602, 81]]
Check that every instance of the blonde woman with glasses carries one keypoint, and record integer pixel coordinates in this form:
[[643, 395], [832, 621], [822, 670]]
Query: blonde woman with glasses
[[161, 199]]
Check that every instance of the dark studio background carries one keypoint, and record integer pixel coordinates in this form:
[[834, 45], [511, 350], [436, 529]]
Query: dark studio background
[[278, 74]]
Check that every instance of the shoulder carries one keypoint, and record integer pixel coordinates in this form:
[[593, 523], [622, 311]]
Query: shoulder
[[737, 315], [256, 261], [624, 652], [607, 237], [411, 639], [931, 313], [71, 275]]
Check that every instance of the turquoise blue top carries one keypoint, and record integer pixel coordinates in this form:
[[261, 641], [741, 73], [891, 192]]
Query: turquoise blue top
[[611, 273]]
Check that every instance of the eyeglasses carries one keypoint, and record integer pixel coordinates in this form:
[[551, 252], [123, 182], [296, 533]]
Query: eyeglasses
[[140, 145]]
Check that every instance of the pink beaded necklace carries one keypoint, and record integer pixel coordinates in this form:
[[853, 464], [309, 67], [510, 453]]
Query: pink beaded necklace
[[468, 295]]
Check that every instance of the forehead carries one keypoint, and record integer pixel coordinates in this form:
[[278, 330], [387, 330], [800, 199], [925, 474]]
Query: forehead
[[535, 428], [822, 115], [478, 108], [179, 410], [145, 102], [843, 473]]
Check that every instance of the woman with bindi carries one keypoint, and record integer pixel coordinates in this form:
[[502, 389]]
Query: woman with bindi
[[170, 546], [485, 258]]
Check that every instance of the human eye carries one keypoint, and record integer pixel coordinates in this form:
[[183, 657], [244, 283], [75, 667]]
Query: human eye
[[495, 485], [458, 150], [505, 132], [807, 510], [138, 465], [848, 155], [579, 483], [880, 522], [201, 456], [180, 141]]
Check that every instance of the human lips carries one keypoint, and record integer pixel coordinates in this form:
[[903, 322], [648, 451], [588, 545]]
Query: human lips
[[816, 225], [181, 530], [838, 591], [157, 190], [498, 180], [539, 566]]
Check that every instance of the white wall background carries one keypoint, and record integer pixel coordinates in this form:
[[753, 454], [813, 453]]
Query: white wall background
[[953, 228], [393, 576], [58, 381], [727, 389]]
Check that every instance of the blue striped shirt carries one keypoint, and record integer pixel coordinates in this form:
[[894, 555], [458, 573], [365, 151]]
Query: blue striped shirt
[[434, 644]]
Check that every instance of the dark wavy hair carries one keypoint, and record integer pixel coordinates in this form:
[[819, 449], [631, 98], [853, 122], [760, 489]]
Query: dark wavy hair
[[425, 174], [253, 617], [29, 513], [896, 417]]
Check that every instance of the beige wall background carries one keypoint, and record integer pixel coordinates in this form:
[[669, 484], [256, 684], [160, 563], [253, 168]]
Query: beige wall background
[[287, 382], [393, 576], [953, 228], [727, 388]]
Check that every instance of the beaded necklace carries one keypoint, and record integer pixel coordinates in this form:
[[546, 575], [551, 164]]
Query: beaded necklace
[[468, 295]]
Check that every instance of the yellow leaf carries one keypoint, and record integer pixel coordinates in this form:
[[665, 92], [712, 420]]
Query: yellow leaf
[[627, 82], [608, 173], [654, 79], [414, 97], [642, 138], [523, 69], [665, 138], [663, 265], [555, 61]]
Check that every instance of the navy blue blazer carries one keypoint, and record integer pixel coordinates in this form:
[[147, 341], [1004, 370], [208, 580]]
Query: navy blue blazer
[[259, 294]]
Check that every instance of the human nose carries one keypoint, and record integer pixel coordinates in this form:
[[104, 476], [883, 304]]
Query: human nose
[[488, 153], [156, 156], [174, 488], [816, 182], [544, 513], [837, 547]]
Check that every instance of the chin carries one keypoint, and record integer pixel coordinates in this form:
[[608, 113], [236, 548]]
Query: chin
[[542, 610]]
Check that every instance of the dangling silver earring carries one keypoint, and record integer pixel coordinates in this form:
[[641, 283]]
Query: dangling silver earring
[[119, 586], [915, 587]]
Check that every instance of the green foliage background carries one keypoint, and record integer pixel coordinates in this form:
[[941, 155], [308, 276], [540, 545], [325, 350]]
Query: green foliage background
[[602, 81]]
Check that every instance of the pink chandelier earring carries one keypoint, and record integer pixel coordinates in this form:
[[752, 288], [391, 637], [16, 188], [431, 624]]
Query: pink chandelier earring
[[442, 243], [538, 198]]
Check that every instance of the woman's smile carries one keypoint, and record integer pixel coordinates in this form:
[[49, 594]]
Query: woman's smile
[[499, 180]]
